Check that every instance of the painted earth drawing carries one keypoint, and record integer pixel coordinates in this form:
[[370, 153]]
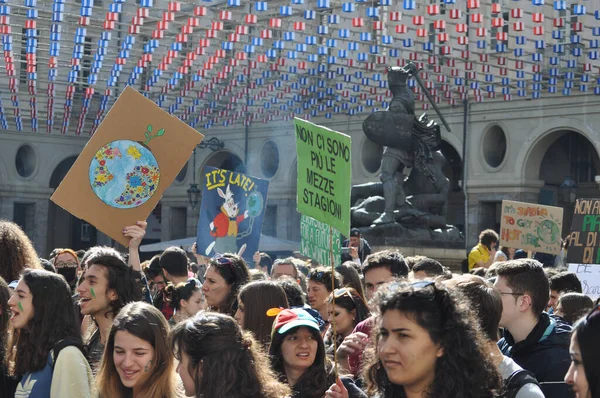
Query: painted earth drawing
[[124, 174]]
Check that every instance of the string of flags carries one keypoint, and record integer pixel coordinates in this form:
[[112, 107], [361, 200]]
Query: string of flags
[[219, 63]]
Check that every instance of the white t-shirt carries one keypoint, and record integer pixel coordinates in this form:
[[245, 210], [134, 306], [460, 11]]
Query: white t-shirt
[[529, 390]]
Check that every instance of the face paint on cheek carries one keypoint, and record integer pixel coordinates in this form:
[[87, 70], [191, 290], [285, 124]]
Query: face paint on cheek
[[93, 292], [147, 367], [20, 306]]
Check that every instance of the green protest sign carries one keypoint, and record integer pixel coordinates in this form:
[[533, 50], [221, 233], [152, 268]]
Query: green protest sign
[[324, 174], [315, 241]]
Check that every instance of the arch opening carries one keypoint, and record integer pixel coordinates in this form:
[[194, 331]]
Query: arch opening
[[64, 229]]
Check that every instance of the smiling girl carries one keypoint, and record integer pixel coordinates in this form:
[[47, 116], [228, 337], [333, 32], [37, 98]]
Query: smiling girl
[[47, 346], [137, 361]]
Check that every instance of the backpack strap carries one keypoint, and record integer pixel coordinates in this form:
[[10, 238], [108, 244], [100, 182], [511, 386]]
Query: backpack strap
[[517, 380], [58, 347]]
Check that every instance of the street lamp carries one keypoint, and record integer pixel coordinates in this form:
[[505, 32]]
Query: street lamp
[[193, 191], [569, 190]]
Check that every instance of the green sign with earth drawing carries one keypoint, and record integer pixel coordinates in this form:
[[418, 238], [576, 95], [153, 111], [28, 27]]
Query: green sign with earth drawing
[[531, 227]]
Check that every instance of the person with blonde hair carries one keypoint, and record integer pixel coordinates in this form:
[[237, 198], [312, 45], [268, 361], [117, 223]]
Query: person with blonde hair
[[138, 361]]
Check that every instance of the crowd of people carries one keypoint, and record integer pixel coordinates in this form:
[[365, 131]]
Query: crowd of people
[[101, 323]]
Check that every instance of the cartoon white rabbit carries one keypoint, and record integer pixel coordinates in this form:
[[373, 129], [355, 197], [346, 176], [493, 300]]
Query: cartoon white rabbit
[[224, 227]]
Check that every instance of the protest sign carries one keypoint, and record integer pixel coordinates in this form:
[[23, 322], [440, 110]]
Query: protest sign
[[317, 242], [125, 167], [324, 174], [531, 227], [584, 245], [231, 214], [589, 275]]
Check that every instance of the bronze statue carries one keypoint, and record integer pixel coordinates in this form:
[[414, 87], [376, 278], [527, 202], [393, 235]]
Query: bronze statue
[[410, 144]]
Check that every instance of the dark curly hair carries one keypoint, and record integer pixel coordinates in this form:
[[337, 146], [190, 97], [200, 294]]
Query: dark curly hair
[[16, 251], [235, 271], [4, 318], [324, 276], [54, 319], [233, 364], [464, 370], [316, 379]]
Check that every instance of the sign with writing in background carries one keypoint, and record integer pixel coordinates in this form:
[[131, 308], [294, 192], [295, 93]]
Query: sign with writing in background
[[324, 174], [531, 227], [584, 247], [589, 275], [231, 214], [315, 241]]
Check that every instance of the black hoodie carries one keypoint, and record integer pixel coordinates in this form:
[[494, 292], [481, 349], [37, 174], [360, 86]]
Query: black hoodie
[[545, 352]]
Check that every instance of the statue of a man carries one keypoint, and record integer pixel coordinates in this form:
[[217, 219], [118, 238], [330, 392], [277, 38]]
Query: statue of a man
[[408, 141]]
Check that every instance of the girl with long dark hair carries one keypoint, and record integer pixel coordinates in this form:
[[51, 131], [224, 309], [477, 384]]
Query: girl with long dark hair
[[254, 300], [218, 359], [47, 350]]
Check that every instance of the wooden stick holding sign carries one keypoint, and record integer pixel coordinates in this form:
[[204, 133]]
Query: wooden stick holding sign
[[333, 324]]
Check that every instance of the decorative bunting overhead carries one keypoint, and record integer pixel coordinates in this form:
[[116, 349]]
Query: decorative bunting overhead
[[238, 61]]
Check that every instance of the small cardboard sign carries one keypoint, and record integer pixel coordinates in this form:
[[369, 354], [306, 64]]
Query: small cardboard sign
[[317, 242], [589, 275], [584, 245], [231, 214], [531, 227], [324, 174], [121, 174]]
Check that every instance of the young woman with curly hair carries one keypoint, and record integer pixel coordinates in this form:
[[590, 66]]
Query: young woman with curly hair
[[225, 275], [138, 361], [427, 345], [298, 355], [218, 359], [16, 252]]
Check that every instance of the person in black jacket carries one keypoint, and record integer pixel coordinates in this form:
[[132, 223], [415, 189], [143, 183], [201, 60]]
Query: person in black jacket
[[535, 340], [357, 248]]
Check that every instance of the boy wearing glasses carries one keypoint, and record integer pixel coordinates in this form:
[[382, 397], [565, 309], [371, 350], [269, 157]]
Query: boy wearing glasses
[[535, 340]]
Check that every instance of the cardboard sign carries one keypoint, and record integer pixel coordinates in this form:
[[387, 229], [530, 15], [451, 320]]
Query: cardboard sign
[[231, 214], [324, 174], [584, 247], [589, 275], [315, 241], [531, 227], [122, 172]]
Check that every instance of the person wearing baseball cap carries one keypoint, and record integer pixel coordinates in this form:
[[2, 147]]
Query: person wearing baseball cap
[[298, 355], [356, 248]]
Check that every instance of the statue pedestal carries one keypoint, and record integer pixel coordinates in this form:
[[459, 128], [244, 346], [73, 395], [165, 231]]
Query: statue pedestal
[[445, 245]]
